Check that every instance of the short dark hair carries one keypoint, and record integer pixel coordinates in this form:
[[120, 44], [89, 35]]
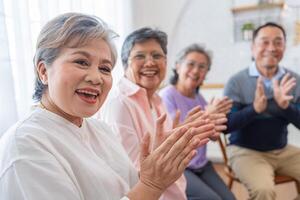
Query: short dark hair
[[184, 52], [268, 24], [141, 35]]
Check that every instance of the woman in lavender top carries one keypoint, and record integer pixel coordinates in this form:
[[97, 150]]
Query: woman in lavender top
[[192, 65]]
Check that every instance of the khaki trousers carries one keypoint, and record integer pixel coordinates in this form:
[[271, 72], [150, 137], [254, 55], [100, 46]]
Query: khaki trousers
[[256, 169]]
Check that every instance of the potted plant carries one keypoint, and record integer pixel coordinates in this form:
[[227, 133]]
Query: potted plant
[[247, 30]]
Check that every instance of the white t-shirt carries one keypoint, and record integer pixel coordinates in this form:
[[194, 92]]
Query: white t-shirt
[[46, 157]]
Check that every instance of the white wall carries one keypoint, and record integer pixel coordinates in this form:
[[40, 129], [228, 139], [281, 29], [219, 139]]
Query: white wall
[[210, 23]]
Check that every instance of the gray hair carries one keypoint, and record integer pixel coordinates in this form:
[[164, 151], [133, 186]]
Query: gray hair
[[142, 35], [182, 55], [194, 48], [68, 30]]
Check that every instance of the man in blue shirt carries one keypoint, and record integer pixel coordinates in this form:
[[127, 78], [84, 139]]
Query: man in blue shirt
[[266, 99]]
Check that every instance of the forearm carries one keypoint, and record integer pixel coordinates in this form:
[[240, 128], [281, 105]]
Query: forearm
[[292, 114], [237, 119]]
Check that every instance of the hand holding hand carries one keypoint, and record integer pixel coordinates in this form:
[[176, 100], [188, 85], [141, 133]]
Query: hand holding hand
[[260, 99], [282, 90]]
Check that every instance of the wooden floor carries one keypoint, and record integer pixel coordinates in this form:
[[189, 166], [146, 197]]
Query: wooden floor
[[285, 191]]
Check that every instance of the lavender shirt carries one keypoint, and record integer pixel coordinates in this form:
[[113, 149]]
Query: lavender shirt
[[174, 100]]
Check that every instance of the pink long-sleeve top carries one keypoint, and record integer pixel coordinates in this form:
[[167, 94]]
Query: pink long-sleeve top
[[130, 116]]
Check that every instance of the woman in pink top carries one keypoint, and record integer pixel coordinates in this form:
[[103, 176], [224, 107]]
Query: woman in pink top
[[135, 109]]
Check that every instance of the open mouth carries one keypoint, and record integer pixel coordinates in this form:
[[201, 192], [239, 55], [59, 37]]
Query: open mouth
[[149, 73], [88, 96], [194, 78]]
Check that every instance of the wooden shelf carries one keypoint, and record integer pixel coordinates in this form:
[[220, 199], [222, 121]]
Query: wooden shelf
[[257, 7], [212, 86], [255, 14]]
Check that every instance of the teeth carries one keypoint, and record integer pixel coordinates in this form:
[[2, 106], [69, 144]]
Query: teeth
[[149, 72], [87, 92]]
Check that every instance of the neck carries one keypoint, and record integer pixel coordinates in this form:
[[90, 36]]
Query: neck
[[184, 91], [149, 96], [49, 105], [268, 71]]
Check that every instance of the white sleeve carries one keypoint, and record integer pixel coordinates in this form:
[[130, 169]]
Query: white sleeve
[[37, 180], [125, 198]]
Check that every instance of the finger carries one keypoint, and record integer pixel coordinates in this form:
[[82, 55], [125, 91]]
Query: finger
[[197, 123], [195, 110], [145, 147], [159, 124], [285, 78], [288, 86], [185, 162], [176, 119], [175, 135], [275, 83], [185, 156], [288, 97], [260, 87], [159, 136], [219, 121], [204, 134], [217, 116], [178, 145], [199, 115], [220, 128]]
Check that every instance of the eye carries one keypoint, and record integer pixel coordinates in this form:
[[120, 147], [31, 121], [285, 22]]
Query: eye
[[139, 57], [278, 43], [190, 64], [106, 69], [82, 62], [157, 56]]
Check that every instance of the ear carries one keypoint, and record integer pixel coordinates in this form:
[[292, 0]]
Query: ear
[[42, 72]]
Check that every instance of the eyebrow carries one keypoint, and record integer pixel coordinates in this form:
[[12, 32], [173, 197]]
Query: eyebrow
[[276, 38], [86, 54], [82, 53]]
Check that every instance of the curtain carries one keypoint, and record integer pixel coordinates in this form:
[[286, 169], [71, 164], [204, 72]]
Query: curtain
[[20, 23]]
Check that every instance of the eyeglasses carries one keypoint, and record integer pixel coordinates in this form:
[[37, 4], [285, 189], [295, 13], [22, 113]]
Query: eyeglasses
[[203, 67], [142, 58]]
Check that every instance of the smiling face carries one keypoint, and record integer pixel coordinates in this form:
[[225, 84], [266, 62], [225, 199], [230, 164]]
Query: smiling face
[[191, 72], [268, 48], [78, 80], [147, 65]]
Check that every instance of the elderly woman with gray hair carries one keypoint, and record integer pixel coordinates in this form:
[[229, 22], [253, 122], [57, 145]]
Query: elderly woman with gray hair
[[192, 66], [58, 152], [137, 109]]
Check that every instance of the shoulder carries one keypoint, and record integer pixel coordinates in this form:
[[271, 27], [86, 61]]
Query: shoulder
[[169, 94], [239, 76], [101, 128], [23, 140], [168, 90]]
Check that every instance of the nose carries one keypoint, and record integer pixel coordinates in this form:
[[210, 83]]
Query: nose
[[149, 61], [93, 76], [271, 46]]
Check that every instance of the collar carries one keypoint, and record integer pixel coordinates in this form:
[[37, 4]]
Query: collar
[[255, 73]]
